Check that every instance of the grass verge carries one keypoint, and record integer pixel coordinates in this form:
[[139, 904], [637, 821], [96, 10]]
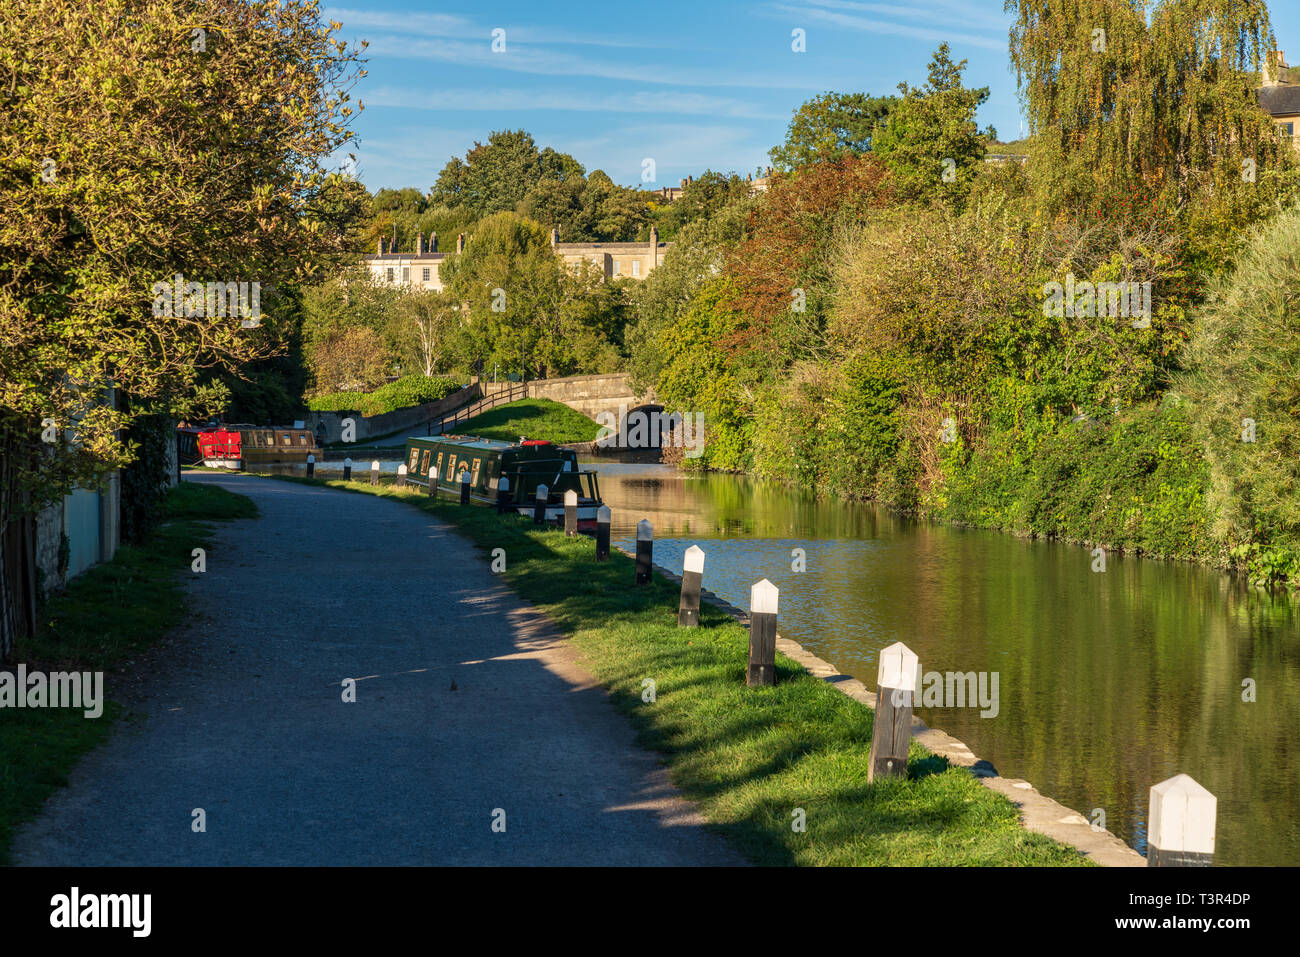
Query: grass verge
[[99, 623], [532, 418], [749, 757]]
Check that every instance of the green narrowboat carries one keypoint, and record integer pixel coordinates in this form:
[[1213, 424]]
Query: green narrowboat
[[526, 464]]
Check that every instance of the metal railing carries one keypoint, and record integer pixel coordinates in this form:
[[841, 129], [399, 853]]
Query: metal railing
[[466, 412]]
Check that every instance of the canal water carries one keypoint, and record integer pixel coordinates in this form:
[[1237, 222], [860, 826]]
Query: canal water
[[1109, 682]]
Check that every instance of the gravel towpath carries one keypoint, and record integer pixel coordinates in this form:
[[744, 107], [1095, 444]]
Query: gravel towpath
[[469, 709]]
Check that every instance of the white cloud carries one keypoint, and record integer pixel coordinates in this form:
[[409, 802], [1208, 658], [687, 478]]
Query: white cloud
[[958, 36], [642, 101], [521, 58]]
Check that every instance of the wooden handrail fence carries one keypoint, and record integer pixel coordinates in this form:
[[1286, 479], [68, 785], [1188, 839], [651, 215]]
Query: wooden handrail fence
[[464, 413]]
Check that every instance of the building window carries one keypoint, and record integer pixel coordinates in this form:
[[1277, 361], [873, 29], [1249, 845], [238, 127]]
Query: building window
[[636, 267], [425, 274], [617, 266], [1286, 130], [390, 275], [406, 274]]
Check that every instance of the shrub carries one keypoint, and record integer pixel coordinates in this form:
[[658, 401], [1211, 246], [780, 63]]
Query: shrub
[[407, 391]]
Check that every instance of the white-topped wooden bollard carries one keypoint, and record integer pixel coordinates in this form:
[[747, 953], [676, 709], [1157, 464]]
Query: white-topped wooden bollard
[[603, 517], [503, 493], [464, 486], [540, 498], [645, 544], [347, 470], [898, 682], [763, 601], [433, 480], [1180, 824], [688, 608], [570, 511], [311, 465], [401, 476], [374, 472]]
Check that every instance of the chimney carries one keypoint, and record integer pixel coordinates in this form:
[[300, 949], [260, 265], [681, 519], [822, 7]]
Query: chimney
[[433, 242], [555, 236], [654, 236], [460, 243], [379, 246], [749, 177], [683, 184]]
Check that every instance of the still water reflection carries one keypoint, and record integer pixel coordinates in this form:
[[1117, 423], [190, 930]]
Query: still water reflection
[[1109, 682]]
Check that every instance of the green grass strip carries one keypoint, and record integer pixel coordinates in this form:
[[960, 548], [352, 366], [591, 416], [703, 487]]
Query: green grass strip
[[748, 756], [533, 419], [102, 620]]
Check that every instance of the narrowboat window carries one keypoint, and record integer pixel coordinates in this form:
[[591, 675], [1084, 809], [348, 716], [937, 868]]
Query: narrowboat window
[[286, 439], [474, 479], [439, 465], [424, 463], [302, 438], [415, 454], [450, 475]]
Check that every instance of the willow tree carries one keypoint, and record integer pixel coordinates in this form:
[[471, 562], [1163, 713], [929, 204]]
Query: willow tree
[[142, 139], [1140, 120]]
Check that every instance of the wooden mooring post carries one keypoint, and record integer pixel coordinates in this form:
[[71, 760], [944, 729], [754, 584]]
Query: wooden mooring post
[[688, 608], [645, 546], [433, 482], [347, 470], [603, 516], [1180, 824], [311, 465], [570, 511], [503, 494], [464, 486], [764, 598], [401, 476], [374, 472], [898, 681], [540, 498]]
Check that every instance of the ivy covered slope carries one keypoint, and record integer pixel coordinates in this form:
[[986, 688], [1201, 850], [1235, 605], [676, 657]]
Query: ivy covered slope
[[1066, 347]]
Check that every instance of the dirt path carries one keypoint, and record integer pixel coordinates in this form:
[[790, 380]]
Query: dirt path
[[467, 702]]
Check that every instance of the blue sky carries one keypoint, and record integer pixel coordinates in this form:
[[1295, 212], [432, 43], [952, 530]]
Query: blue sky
[[693, 86]]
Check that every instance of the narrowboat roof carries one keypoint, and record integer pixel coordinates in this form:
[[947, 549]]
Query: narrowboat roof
[[467, 441]]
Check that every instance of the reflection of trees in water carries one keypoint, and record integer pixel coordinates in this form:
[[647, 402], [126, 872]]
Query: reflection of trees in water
[[1109, 682]]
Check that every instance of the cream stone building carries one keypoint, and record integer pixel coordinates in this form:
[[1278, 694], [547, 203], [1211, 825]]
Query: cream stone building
[[420, 268], [1280, 97]]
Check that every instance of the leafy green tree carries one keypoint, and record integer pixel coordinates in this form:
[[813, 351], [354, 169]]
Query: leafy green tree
[[1244, 386], [831, 126], [705, 196], [930, 141], [135, 149], [1151, 121], [498, 175]]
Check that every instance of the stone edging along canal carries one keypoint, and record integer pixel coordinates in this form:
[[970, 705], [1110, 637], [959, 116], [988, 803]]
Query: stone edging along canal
[[1038, 813]]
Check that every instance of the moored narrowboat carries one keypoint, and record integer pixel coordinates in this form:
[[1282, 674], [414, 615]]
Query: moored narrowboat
[[526, 464], [239, 446]]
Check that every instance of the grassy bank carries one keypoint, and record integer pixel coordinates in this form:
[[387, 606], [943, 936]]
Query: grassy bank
[[99, 623], [533, 419], [748, 756]]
